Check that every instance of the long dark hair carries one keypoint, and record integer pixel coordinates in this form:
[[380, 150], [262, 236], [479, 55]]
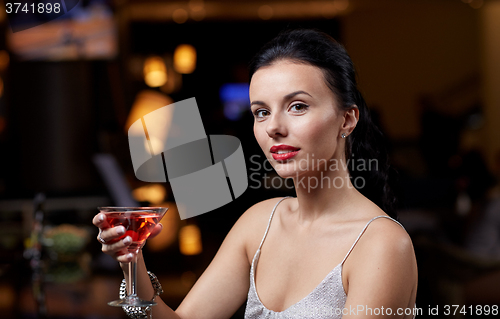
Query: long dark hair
[[366, 143]]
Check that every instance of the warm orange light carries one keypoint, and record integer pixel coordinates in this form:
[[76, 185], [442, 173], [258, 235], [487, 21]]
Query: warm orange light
[[265, 12], [180, 15], [198, 15], [155, 72], [3, 15], [146, 102], [4, 60], [197, 10], [341, 5], [168, 235], [329, 10], [185, 59], [9, 296], [153, 193], [196, 5], [190, 240]]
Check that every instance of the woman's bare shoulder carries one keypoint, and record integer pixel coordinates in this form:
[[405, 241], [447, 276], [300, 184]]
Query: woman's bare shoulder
[[253, 222], [382, 263], [259, 213], [384, 242], [384, 232]]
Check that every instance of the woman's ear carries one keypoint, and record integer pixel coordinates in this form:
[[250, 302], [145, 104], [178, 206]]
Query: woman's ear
[[351, 118]]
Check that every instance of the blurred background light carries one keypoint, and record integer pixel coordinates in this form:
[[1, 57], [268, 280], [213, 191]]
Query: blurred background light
[[265, 12], [235, 99], [329, 10], [146, 102], [185, 58], [87, 31], [152, 193], [180, 16], [197, 10], [168, 235], [341, 5], [196, 5], [155, 71], [190, 240], [4, 60]]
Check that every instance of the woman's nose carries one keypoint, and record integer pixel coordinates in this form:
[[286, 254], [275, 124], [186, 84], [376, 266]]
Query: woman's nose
[[276, 126]]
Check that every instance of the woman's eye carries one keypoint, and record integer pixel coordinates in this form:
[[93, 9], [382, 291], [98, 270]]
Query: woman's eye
[[261, 113], [298, 107]]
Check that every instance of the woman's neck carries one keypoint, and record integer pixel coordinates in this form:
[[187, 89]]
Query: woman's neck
[[324, 194]]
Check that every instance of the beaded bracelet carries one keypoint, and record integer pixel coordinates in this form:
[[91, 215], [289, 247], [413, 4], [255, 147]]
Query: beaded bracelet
[[140, 312]]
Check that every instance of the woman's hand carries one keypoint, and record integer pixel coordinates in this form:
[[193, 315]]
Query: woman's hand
[[113, 241]]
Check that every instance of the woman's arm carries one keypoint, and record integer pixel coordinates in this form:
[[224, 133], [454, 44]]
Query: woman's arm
[[223, 286], [381, 273], [218, 293]]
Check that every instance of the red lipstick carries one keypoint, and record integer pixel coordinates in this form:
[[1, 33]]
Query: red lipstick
[[283, 152]]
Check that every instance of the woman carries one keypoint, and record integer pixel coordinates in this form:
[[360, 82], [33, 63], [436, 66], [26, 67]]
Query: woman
[[312, 256]]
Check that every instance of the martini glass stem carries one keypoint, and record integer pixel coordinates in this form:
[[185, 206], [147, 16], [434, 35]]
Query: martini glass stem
[[132, 274]]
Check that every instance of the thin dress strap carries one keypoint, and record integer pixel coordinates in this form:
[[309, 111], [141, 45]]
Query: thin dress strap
[[361, 233], [270, 218]]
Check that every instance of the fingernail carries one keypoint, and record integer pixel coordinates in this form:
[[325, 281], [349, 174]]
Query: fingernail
[[120, 230], [130, 255], [101, 218], [127, 240]]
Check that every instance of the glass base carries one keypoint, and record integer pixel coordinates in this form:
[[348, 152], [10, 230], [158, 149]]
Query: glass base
[[132, 302]]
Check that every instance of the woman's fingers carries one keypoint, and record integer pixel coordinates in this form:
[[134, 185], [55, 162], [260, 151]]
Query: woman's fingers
[[110, 238], [156, 230], [111, 235], [125, 258], [100, 221], [117, 248]]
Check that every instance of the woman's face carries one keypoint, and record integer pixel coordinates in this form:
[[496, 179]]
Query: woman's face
[[298, 123]]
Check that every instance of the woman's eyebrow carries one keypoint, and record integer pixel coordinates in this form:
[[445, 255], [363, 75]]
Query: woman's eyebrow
[[286, 97], [290, 95], [257, 103]]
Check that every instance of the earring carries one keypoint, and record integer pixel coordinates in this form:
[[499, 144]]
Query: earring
[[343, 135]]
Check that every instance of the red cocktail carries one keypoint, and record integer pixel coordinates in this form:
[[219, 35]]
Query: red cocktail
[[139, 223]]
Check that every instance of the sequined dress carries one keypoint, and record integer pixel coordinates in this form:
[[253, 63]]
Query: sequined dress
[[326, 301]]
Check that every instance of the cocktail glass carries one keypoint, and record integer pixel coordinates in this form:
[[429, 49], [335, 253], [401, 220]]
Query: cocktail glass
[[138, 223]]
